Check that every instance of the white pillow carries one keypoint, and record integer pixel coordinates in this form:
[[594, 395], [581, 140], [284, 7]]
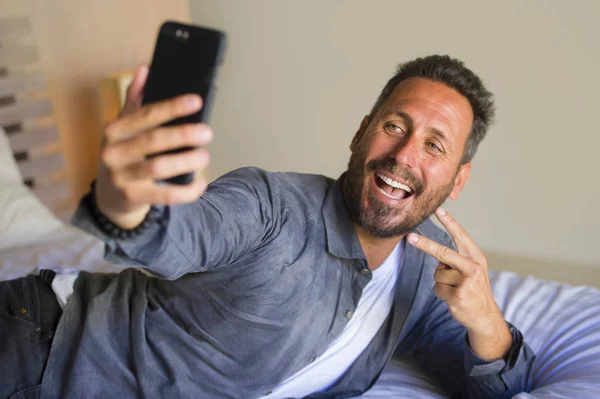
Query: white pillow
[[9, 171], [24, 220]]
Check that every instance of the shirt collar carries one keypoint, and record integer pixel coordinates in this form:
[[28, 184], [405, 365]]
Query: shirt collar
[[342, 240]]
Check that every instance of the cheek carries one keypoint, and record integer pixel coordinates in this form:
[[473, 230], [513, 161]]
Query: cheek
[[378, 149], [435, 173]]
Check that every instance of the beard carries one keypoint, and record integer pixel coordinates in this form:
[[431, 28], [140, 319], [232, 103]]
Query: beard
[[377, 218]]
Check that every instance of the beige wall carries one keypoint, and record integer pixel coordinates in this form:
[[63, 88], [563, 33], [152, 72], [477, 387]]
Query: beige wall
[[79, 42], [299, 76]]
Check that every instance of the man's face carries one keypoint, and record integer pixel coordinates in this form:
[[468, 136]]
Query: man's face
[[406, 161]]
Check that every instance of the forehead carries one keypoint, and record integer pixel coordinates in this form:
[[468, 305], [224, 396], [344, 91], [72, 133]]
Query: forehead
[[432, 105]]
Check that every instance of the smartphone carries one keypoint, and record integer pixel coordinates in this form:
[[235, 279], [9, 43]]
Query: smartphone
[[186, 59]]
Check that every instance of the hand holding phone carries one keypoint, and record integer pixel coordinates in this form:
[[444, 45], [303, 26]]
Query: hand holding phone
[[147, 144]]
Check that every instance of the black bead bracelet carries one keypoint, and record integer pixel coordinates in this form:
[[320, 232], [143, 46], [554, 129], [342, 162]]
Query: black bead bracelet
[[156, 215]]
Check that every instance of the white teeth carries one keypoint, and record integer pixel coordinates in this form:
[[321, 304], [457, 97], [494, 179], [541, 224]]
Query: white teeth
[[394, 183]]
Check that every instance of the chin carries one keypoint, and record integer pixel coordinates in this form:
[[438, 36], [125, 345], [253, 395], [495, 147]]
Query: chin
[[373, 200], [386, 218], [381, 221]]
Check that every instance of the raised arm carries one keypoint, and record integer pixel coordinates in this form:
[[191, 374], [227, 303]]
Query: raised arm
[[199, 230], [463, 337], [238, 213]]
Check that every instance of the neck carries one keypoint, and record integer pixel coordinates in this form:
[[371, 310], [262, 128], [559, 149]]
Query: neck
[[376, 249]]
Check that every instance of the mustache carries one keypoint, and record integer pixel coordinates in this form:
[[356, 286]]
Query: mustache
[[391, 166]]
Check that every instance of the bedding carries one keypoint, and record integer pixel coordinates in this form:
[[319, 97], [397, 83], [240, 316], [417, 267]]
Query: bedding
[[23, 218], [31, 236], [560, 322], [66, 248]]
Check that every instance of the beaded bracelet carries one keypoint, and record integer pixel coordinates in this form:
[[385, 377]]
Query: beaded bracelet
[[154, 216]]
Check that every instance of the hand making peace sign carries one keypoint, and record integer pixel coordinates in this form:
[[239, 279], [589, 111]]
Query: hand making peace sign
[[462, 282]]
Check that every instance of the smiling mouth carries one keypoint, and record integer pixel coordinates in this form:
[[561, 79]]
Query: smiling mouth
[[391, 188]]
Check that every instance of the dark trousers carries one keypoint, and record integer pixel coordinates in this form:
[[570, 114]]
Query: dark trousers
[[29, 314]]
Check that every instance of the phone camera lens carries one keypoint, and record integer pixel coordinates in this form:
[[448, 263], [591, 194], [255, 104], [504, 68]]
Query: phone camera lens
[[186, 34], [178, 33]]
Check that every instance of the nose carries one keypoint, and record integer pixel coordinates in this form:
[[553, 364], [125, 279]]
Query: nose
[[407, 151]]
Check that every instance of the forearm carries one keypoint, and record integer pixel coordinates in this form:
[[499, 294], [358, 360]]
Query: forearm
[[147, 250], [441, 347], [235, 214]]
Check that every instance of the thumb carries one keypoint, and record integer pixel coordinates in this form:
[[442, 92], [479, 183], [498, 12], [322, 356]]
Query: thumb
[[135, 91]]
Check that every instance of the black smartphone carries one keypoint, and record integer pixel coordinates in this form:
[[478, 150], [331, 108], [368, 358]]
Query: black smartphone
[[186, 59]]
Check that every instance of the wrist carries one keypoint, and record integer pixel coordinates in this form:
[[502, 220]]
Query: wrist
[[127, 225], [489, 326], [103, 198], [492, 342], [125, 220]]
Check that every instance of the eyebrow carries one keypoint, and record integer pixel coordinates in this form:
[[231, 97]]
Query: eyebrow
[[405, 116], [439, 133]]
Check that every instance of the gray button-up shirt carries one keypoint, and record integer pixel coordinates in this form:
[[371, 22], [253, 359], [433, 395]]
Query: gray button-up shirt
[[256, 279]]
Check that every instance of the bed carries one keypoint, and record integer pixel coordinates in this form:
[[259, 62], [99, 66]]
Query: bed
[[560, 322]]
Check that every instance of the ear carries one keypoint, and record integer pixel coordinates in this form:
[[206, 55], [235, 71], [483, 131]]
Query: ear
[[460, 180], [360, 133]]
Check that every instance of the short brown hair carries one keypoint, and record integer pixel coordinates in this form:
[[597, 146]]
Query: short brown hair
[[453, 73]]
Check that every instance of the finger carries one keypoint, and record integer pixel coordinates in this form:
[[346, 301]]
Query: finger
[[158, 140], [463, 241], [442, 253], [133, 98], [444, 292], [447, 276], [151, 116], [168, 194], [165, 166]]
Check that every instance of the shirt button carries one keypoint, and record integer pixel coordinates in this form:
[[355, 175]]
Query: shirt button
[[365, 271], [349, 314]]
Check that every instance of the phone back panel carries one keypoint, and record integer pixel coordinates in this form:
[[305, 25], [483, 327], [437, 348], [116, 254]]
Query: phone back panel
[[185, 60]]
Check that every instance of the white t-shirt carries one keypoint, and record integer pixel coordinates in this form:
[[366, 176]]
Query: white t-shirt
[[62, 285], [372, 310]]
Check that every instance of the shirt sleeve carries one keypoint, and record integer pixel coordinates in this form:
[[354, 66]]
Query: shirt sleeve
[[238, 213], [441, 347]]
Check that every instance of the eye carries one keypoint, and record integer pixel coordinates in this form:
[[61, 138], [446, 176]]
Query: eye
[[392, 128], [434, 146]]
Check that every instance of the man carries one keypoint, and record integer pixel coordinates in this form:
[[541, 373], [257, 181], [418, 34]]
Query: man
[[280, 284]]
